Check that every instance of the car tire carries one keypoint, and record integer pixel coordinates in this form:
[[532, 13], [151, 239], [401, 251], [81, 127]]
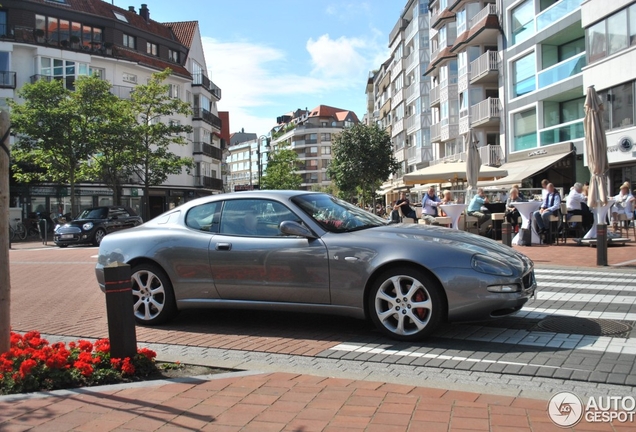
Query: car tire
[[98, 236], [153, 295], [398, 316], [62, 246]]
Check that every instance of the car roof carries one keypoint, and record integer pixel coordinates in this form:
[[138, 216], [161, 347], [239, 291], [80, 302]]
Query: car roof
[[265, 194]]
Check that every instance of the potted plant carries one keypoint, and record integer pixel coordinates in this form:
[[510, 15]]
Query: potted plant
[[39, 35], [108, 46], [75, 40]]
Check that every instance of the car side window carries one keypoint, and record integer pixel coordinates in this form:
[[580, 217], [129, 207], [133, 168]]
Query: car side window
[[254, 217], [204, 217]]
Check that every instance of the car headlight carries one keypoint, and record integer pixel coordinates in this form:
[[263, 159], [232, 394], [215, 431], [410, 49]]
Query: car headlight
[[509, 288], [87, 226], [488, 265]]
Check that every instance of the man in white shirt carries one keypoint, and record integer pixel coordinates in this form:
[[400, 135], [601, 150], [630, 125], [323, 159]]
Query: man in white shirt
[[577, 205], [430, 201], [624, 204]]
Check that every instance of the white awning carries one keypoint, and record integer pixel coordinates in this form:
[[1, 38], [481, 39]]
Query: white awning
[[522, 169], [442, 173]]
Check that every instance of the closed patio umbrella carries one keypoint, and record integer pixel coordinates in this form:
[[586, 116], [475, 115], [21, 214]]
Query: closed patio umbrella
[[473, 163]]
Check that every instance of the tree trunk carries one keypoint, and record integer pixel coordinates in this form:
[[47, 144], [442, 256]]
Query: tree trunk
[[74, 211], [5, 279]]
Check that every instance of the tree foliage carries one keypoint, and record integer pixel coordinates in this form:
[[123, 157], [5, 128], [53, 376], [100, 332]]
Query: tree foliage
[[281, 171], [58, 130], [362, 160], [150, 103]]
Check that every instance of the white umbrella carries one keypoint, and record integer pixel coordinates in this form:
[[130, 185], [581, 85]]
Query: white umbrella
[[448, 172], [596, 148], [473, 162]]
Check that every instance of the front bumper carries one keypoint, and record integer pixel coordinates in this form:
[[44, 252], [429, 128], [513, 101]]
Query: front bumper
[[68, 238]]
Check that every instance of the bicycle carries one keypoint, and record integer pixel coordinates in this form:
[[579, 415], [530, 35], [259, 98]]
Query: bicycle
[[11, 233], [20, 230]]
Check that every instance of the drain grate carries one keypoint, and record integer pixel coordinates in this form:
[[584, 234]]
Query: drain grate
[[585, 326]]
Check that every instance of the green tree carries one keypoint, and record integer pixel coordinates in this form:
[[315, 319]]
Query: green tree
[[281, 170], [362, 160], [151, 104], [58, 130]]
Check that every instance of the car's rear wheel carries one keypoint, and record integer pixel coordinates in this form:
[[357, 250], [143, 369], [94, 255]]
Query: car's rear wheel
[[406, 304], [62, 245], [99, 236], [153, 295]]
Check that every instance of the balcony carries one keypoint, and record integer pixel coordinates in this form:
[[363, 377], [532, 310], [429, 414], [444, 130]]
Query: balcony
[[200, 80], [206, 116], [7, 80], [561, 133], [208, 150], [491, 155], [398, 97], [411, 90], [490, 9], [485, 69], [486, 112], [413, 123], [208, 182], [563, 70], [398, 126], [556, 12], [121, 92], [434, 95], [436, 132], [450, 128]]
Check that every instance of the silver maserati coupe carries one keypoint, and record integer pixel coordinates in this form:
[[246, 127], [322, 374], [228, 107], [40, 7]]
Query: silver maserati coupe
[[305, 251]]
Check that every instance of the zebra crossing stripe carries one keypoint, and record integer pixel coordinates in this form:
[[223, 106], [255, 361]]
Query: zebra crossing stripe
[[585, 298], [530, 312]]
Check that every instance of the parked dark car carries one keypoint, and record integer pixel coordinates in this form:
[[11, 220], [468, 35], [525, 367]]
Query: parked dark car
[[93, 224]]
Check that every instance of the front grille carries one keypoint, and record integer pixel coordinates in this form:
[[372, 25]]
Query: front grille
[[528, 280], [69, 230]]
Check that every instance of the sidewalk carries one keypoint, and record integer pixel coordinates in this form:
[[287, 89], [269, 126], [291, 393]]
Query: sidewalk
[[272, 402]]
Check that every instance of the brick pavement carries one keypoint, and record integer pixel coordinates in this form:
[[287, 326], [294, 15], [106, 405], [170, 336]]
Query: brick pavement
[[163, 406]]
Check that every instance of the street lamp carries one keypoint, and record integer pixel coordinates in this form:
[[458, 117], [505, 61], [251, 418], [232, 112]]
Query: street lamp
[[258, 155]]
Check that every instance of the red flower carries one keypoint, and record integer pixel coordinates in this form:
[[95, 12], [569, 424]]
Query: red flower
[[102, 346], [127, 367], [149, 354], [85, 346], [85, 369], [115, 363], [27, 366], [6, 365]]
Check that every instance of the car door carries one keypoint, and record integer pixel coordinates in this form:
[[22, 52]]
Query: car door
[[112, 222], [126, 219], [251, 260]]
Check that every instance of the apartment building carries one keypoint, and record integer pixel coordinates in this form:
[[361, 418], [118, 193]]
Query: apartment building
[[65, 39], [246, 161], [610, 33], [397, 93], [309, 133]]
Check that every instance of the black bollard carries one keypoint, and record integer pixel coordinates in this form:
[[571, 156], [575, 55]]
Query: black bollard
[[601, 245], [506, 233], [119, 310]]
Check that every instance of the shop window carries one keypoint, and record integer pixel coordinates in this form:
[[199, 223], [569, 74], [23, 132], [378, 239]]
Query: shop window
[[524, 80], [525, 130]]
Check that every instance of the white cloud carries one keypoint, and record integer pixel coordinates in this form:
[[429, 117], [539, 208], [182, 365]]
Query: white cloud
[[337, 57]]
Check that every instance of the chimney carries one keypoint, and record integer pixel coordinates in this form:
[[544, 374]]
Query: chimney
[[144, 12], [131, 9]]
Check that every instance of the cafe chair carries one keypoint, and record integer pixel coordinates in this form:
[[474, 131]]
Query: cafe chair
[[405, 219], [444, 221], [624, 225], [471, 223]]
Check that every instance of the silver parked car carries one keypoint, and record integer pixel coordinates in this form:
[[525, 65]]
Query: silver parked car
[[304, 251]]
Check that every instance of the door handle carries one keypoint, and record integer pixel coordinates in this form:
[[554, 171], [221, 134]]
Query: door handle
[[224, 246]]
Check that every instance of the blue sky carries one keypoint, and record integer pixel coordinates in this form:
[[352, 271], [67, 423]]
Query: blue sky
[[274, 56]]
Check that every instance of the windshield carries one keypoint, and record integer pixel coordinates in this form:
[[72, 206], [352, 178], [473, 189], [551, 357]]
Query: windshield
[[335, 215], [95, 213]]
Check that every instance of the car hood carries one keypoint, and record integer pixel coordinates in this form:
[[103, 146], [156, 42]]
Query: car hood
[[471, 243]]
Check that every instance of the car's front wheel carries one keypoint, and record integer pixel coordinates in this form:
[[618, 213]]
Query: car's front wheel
[[99, 236], [406, 304], [153, 296]]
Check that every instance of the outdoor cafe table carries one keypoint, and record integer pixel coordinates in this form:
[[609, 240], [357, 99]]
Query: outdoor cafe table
[[600, 214], [525, 210], [454, 211]]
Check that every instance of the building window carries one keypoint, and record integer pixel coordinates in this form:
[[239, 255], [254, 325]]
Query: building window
[[622, 105], [525, 130], [63, 70], [120, 17], [97, 72], [174, 91], [326, 150], [325, 137], [522, 22], [128, 77], [3, 24], [129, 41], [524, 80], [611, 35], [173, 56], [151, 49], [617, 36]]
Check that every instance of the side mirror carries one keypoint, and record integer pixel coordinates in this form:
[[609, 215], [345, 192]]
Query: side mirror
[[291, 228]]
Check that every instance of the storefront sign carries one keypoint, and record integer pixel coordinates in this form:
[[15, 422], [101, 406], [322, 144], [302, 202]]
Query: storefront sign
[[625, 144], [538, 153]]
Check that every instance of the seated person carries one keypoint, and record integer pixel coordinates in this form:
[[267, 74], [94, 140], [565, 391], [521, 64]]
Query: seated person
[[476, 208], [430, 201], [576, 203], [447, 198], [551, 206], [405, 205], [512, 214], [624, 204]]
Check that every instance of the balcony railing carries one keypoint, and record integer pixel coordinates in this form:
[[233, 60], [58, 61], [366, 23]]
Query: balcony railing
[[484, 64], [557, 11], [201, 80], [436, 132], [491, 155], [121, 92], [208, 182], [563, 70], [434, 94], [7, 80], [490, 9], [208, 150], [562, 133], [410, 60], [412, 121], [485, 111], [206, 116]]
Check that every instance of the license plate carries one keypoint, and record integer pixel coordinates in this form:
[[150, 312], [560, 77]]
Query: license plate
[[66, 236]]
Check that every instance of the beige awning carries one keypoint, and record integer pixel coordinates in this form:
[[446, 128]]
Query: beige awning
[[442, 173], [522, 169]]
